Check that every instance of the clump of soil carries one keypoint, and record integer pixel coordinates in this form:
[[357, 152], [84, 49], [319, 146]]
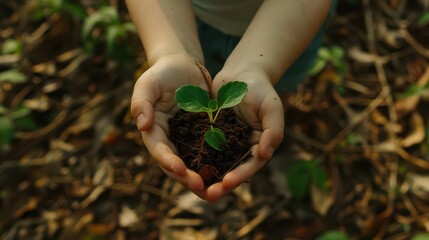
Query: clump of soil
[[187, 133]]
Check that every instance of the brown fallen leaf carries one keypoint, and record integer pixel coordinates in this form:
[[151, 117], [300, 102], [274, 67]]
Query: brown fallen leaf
[[417, 134]]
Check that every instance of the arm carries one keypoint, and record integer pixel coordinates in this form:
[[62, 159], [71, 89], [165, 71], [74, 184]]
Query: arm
[[168, 32], [277, 35], [166, 27]]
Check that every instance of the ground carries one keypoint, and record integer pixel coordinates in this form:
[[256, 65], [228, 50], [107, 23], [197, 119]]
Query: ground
[[73, 165]]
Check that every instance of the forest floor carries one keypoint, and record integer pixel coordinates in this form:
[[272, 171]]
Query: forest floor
[[73, 165]]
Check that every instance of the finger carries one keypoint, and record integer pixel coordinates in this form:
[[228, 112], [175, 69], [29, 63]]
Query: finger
[[145, 94], [236, 177], [160, 148], [190, 180], [272, 115]]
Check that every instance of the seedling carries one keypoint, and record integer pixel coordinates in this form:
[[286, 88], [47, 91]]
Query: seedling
[[195, 99]]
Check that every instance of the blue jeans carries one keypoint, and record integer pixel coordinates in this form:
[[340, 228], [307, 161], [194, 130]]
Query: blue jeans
[[217, 46]]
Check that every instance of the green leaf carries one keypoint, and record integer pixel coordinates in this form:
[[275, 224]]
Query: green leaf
[[105, 15], [318, 65], [333, 235], [231, 94], [412, 90], [298, 179], [213, 105], [215, 138], [3, 110], [337, 52], [421, 236], [74, 10], [11, 46], [13, 76], [423, 19], [6, 130], [324, 53], [129, 26], [192, 98], [319, 177], [20, 112], [113, 32], [25, 124]]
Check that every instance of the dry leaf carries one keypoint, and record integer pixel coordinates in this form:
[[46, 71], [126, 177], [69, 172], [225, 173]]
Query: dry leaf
[[321, 200], [417, 134], [419, 185], [127, 217]]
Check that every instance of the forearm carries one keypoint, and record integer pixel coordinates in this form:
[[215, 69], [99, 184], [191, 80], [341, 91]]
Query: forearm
[[166, 27], [277, 35]]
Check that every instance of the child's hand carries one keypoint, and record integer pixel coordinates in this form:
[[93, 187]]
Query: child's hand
[[262, 109], [153, 103]]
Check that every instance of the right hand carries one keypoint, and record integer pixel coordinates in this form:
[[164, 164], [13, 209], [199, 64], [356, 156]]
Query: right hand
[[153, 102]]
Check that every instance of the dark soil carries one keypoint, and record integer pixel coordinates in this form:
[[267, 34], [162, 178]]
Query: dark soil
[[187, 132]]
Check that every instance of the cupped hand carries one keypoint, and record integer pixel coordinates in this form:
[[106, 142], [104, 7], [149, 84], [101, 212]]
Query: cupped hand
[[262, 109], [153, 102]]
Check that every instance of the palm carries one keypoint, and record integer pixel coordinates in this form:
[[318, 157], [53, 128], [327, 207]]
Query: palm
[[154, 96], [263, 111]]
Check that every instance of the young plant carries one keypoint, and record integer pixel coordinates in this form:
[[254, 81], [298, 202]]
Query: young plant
[[114, 32], [195, 99]]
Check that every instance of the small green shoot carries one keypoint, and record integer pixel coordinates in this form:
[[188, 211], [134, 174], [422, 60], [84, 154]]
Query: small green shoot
[[423, 19], [11, 120], [333, 235], [414, 90], [301, 174], [333, 55], [46, 8], [195, 99], [421, 236], [13, 76], [11, 46], [114, 30]]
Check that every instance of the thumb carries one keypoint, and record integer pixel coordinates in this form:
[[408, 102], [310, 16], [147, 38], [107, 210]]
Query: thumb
[[142, 102]]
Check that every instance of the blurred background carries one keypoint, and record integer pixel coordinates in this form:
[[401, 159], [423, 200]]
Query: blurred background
[[73, 165]]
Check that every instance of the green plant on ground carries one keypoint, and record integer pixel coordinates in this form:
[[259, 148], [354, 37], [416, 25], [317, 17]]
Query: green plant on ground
[[333, 235], [11, 120], [301, 174], [195, 99], [333, 55], [47, 8], [11, 46], [423, 19], [415, 90], [112, 30]]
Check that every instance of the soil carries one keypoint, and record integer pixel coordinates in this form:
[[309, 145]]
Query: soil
[[187, 133]]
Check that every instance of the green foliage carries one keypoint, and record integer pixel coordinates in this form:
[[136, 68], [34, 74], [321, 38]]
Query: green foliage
[[333, 235], [12, 76], [11, 120], [195, 99], [46, 8], [423, 19], [107, 18], [11, 46], [422, 236], [215, 138], [414, 90], [333, 55], [301, 174]]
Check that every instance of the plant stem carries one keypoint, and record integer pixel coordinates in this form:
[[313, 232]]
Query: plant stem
[[210, 117], [217, 113]]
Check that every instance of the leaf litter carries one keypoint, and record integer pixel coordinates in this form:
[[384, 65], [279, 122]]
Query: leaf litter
[[83, 172]]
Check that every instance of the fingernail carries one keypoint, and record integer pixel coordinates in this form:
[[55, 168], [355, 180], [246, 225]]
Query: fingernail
[[141, 120], [270, 152]]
